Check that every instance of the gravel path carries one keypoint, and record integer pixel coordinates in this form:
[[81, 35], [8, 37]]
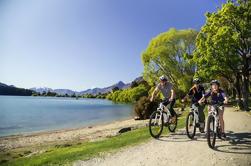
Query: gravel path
[[177, 149]]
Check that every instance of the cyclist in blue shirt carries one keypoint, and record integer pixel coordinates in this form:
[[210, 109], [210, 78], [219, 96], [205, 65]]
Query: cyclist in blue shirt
[[217, 96]]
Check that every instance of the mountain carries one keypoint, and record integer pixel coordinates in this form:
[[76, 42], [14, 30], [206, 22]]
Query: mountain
[[58, 91], [65, 91], [95, 91], [14, 91], [41, 89]]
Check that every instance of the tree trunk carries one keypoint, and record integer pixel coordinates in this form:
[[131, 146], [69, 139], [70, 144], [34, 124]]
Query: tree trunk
[[245, 92], [238, 91], [245, 78]]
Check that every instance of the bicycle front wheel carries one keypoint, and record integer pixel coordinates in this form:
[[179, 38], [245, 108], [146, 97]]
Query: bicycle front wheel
[[156, 124], [211, 133], [190, 125]]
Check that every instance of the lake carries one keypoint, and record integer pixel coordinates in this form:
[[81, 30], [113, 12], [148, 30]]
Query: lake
[[27, 114]]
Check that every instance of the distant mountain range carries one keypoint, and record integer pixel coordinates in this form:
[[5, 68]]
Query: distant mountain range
[[94, 91], [12, 90]]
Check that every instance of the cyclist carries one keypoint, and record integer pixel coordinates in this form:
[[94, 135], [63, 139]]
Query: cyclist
[[196, 93], [217, 96], [166, 88]]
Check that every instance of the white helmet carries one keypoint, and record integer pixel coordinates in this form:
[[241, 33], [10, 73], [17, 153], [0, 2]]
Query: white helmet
[[163, 78]]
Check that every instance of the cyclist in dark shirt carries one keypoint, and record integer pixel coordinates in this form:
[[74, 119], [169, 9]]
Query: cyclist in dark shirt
[[196, 93], [217, 96]]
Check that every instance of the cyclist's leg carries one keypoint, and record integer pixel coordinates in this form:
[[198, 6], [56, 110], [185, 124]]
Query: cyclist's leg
[[165, 102], [173, 113], [201, 117], [221, 112]]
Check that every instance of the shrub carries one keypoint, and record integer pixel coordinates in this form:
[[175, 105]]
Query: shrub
[[144, 107]]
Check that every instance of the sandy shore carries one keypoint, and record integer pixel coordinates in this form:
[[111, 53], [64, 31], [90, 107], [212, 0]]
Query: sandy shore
[[90, 133]]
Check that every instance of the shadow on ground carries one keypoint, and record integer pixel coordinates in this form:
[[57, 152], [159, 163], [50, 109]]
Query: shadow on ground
[[239, 143]]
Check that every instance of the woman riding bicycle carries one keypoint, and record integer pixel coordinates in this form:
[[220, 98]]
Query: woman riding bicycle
[[196, 93], [166, 88], [217, 96]]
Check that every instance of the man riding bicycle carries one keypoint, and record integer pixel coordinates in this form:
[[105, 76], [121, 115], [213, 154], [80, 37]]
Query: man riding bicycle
[[196, 93], [217, 96], [166, 88]]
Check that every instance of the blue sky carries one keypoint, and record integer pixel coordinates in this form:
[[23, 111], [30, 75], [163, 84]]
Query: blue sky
[[80, 44]]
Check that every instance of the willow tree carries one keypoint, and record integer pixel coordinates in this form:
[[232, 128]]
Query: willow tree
[[223, 46], [168, 54]]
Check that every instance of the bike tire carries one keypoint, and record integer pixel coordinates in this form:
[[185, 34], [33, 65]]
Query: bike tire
[[190, 134], [151, 120], [211, 134], [172, 126]]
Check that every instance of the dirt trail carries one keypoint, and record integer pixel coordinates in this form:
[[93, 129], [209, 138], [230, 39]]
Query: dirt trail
[[177, 149]]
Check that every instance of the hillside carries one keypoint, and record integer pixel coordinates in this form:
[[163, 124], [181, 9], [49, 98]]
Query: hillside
[[14, 91]]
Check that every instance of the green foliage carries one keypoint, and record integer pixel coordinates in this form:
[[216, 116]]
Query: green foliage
[[129, 95], [223, 45], [169, 54]]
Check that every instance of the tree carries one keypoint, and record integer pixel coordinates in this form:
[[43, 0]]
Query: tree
[[168, 54], [223, 46]]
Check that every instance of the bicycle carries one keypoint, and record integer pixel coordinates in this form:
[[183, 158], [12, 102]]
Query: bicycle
[[159, 118], [213, 125], [192, 121]]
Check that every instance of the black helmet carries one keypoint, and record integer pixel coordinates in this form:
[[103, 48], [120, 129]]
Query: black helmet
[[215, 82], [196, 81]]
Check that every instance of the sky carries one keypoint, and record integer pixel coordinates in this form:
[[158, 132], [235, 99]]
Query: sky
[[81, 44]]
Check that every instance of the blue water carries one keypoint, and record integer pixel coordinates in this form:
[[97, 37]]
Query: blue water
[[22, 115]]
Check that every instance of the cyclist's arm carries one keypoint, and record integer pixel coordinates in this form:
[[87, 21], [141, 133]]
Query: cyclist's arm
[[225, 98], [205, 96], [155, 92], [190, 93], [172, 94]]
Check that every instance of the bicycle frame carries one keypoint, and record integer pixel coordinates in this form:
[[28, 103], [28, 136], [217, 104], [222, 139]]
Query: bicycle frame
[[214, 112], [195, 111], [162, 112]]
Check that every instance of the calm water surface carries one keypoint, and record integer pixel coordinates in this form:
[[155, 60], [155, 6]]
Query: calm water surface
[[20, 115]]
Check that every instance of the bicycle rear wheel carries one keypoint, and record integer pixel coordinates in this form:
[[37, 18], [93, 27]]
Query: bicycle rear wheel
[[156, 124], [190, 126], [211, 134], [172, 126]]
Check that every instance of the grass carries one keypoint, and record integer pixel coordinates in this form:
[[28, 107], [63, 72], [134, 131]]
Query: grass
[[65, 155]]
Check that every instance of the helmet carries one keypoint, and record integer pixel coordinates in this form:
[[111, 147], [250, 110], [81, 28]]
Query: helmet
[[163, 78], [215, 82], [196, 80]]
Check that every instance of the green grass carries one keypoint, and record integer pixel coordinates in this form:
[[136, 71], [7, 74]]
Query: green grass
[[61, 155]]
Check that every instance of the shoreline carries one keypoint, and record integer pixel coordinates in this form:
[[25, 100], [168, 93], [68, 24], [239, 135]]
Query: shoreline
[[39, 132], [88, 133]]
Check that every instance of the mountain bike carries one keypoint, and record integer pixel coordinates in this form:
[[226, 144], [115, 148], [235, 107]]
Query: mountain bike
[[192, 121], [160, 118], [213, 125]]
